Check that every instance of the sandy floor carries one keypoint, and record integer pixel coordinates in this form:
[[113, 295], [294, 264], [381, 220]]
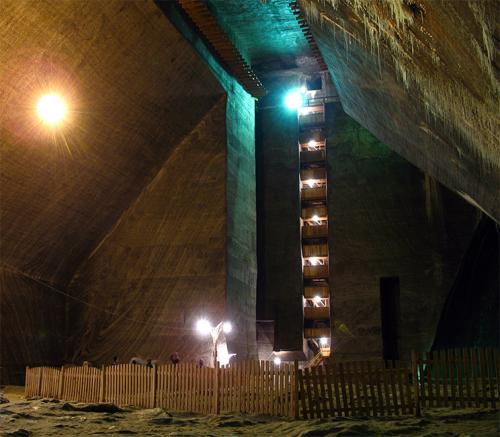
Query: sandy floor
[[55, 418]]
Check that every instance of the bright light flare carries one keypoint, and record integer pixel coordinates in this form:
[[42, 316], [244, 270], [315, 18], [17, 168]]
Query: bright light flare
[[315, 218], [317, 299], [312, 144], [294, 99], [314, 261], [51, 109], [203, 327], [310, 182], [323, 341], [277, 361], [227, 327]]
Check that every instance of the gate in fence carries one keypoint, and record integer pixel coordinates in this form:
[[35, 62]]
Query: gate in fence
[[452, 378]]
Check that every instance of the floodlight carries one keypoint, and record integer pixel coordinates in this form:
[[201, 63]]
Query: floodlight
[[294, 99], [203, 327], [227, 327], [323, 341], [51, 109], [277, 361]]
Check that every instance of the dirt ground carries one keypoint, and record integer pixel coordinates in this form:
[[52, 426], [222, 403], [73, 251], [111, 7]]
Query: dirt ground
[[48, 417]]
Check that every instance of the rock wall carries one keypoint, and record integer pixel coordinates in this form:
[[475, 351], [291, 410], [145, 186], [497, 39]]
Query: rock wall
[[163, 265], [387, 219], [136, 92], [420, 75], [32, 325]]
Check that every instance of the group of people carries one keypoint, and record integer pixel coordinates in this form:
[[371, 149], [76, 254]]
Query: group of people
[[174, 359]]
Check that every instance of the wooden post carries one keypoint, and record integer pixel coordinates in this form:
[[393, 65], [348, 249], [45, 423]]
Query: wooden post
[[295, 390], [60, 389], [154, 383], [102, 394], [27, 382], [216, 388], [39, 389], [416, 391]]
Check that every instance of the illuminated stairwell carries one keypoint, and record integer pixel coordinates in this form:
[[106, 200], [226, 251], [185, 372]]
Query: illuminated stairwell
[[314, 228]]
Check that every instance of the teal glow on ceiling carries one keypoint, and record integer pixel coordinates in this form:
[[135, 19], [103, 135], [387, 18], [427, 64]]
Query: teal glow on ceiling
[[265, 31]]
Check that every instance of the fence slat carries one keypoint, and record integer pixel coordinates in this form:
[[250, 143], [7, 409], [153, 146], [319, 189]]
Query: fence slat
[[458, 364], [303, 394], [343, 389], [436, 369], [491, 369], [497, 371], [392, 378]]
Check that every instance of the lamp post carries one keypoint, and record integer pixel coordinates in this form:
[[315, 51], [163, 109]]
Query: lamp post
[[204, 327]]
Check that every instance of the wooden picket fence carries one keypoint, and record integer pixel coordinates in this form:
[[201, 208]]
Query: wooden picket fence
[[453, 378], [358, 388], [248, 386], [258, 387], [459, 378]]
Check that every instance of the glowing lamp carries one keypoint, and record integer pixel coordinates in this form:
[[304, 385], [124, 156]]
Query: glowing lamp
[[314, 261], [323, 341], [312, 144], [203, 327], [277, 361], [227, 327], [317, 299], [315, 218], [294, 99], [310, 182], [303, 89], [51, 109]]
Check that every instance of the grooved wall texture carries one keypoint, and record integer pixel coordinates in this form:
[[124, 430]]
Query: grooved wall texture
[[421, 76], [387, 218], [163, 265], [136, 90]]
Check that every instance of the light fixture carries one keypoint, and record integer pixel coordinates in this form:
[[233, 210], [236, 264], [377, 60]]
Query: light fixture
[[314, 261], [315, 218], [310, 182], [317, 299], [277, 361], [227, 327], [323, 341], [203, 327], [51, 109], [294, 99], [303, 89], [312, 144]]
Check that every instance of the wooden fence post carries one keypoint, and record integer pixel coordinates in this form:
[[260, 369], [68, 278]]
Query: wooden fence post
[[102, 394], [60, 389], [153, 386], [39, 389], [216, 388], [295, 390], [27, 381], [416, 389]]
